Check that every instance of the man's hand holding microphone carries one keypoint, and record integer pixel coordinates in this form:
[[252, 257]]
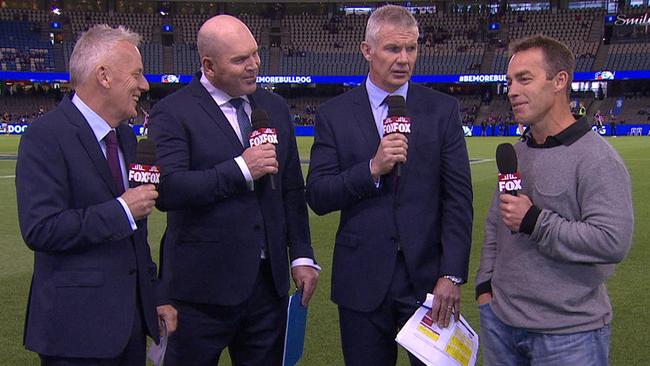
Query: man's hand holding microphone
[[260, 157], [393, 147]]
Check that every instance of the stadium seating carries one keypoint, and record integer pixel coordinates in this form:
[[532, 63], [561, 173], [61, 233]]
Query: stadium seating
[[144, 24], [319, 44], [334, 49], [628, 56], [22, 49]]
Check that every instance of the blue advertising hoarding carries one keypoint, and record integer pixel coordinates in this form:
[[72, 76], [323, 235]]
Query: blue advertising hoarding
[[339, 79]]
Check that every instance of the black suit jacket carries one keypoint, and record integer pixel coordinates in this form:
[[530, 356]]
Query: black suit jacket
[[88, 262], [215, 224], [427, 211]]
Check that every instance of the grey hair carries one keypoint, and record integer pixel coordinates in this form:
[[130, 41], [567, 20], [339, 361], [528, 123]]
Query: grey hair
[[397, 16], [94, 46]]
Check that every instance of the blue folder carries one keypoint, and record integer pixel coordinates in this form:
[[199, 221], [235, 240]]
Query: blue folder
[[294, 339]]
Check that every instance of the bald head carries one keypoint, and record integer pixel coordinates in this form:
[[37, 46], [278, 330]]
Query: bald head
[[228, 52], [220, 30]]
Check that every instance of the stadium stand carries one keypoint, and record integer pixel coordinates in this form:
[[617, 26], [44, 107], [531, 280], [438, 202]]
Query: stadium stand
[[186, 57], [628, 56], [574, 27], [147, 25], [25, 108], [327, 43], [22, 49]]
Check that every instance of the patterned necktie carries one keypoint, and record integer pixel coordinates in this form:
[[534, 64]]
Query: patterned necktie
[[113, 159], [242, 119]]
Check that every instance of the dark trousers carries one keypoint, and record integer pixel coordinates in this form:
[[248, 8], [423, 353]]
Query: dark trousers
[[368, 338], [253, 331], [133, 355]]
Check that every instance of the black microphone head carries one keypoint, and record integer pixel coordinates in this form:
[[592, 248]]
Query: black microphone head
[[145, 152], [396, 105], [259, 119], [506, 158]]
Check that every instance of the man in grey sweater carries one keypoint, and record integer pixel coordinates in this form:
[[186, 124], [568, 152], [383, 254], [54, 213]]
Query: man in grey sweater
[[549, 250]]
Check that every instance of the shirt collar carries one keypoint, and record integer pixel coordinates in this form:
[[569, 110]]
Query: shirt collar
[[377, 94], [99, 126], [219, 96], [566, 137]]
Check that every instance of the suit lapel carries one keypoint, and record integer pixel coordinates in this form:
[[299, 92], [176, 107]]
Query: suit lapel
[[212, 109], [89, 142], [365, 119]]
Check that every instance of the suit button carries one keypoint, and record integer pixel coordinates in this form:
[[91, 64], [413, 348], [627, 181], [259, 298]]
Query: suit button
[[257, 227], [133, 271]]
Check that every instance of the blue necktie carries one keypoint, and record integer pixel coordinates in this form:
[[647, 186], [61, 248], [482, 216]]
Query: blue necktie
[[243, 121]]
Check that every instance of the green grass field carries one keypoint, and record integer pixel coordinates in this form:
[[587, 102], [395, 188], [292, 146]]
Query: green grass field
[[629, 288]]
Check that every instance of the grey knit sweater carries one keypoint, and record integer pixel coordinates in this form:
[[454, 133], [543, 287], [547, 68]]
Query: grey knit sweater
[[553, 279]]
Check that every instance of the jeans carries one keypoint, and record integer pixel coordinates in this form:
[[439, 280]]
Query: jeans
[[504, 345]]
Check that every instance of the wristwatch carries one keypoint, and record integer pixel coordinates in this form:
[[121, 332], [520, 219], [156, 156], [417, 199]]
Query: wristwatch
[[455, 280]]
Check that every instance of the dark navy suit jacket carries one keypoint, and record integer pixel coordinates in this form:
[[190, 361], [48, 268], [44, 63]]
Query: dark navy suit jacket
[[216, 226], [427, 211], [88, 263]]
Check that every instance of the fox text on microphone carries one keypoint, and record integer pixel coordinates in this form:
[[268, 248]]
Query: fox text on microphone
[[510, 182], [144, 174], [262, 136], [397, 124]]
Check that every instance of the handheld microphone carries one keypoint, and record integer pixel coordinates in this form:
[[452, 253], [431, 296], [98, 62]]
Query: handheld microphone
[[262, 133], [397, 121], [144, 170], [509, 178]]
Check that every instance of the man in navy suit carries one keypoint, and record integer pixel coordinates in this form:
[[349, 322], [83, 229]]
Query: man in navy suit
[[399, 237], [92, 296], [225, 252]]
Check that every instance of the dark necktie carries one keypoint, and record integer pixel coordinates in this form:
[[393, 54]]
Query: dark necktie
[[113, 159], [385, 104], [243, 121]]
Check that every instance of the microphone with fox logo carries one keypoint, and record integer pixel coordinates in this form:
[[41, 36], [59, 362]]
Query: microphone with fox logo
[[509, 178], [262, 133], [144, 170], [397, 121]]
